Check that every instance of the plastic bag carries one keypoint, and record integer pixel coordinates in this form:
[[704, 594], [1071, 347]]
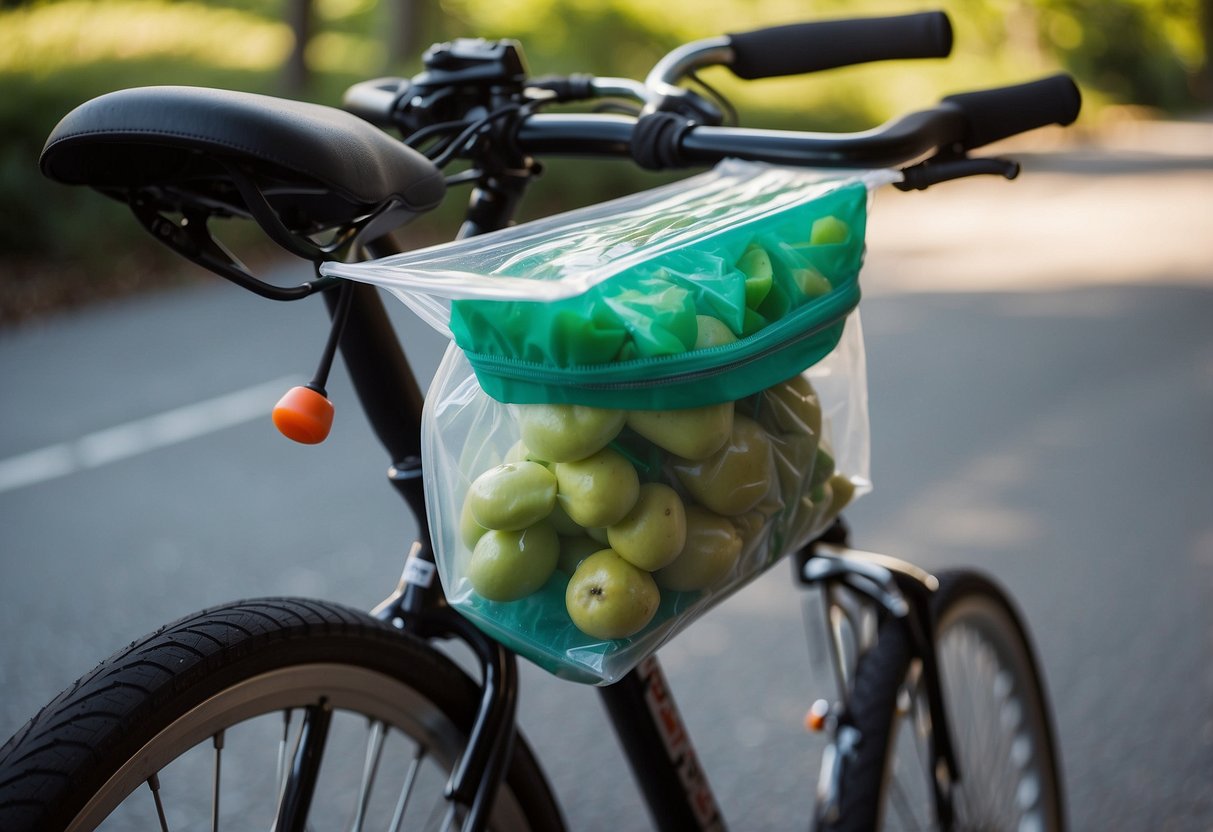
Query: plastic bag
[[597, 560], [624, 431]]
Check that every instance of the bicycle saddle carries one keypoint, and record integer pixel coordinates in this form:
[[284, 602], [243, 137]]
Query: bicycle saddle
[[318, 167]]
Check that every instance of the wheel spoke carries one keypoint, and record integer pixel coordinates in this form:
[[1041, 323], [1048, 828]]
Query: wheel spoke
[[153, 783], [374, 750], [406, 790]]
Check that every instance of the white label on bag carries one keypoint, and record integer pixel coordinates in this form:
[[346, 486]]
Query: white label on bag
[[419, 572]]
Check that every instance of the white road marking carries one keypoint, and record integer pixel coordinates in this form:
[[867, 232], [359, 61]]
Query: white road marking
[[142, 435]]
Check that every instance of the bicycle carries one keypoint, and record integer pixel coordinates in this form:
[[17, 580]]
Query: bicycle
[[905, 643]]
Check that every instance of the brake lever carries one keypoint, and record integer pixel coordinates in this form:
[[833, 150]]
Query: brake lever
[[923, 175]]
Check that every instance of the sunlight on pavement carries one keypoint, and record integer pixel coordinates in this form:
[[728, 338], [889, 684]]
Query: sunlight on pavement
[[1106, 215]]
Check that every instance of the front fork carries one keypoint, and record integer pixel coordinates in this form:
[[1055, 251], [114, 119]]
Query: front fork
[[419, 608], [893, 588]]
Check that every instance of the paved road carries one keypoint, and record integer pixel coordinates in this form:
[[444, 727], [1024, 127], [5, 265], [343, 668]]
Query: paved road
[[1041, 367]]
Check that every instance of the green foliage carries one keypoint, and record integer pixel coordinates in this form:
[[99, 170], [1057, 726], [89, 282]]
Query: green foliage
[[55, 54]]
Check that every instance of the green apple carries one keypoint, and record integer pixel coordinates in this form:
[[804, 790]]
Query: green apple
[[519, 452], [755, 264], [792, 406], [598, 490], [512, 496], [573, 550], [562, 523], [811, 282], [607, 597], [691, 433], [737, 477], [712, 548], [823, 496], [654, 531], [843, 492], [508, 565], [567, 432], [598, 533], [827, 230], [750, 525], [823, 468], [712, 332], [469, 530], [794, 455]]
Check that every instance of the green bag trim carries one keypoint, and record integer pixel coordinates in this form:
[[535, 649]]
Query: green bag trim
[[723, 373]]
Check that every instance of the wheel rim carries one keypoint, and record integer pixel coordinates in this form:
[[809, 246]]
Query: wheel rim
[[1003, 764], [388, 711]]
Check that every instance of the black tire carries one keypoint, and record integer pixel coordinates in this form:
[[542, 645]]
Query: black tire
[[994, 695], [175, 688]]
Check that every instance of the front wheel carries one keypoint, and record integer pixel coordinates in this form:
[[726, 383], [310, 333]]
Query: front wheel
[[277, 713], [993, 694]]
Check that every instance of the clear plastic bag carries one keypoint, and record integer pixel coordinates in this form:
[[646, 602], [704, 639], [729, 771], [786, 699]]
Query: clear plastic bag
[[648, 518]]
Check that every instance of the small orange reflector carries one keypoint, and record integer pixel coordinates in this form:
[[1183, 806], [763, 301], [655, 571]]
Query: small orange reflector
[[304, 415], [815, 719]]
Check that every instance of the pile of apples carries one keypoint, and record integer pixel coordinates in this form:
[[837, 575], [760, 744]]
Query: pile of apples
[[713, 483]]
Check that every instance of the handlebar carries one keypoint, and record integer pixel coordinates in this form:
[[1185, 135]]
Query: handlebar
[[677, 128], [958, 123], [809, 47]]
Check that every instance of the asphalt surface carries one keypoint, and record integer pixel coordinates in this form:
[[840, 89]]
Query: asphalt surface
[[1041, 374]]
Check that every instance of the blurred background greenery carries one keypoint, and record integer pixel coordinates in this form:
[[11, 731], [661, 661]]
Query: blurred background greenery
[[63, 245]]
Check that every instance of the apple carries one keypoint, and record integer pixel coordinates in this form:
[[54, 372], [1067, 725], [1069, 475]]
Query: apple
[[737, 477], [469, 530], [811, 282], [712, 548], [755, 264], [512, 496], [823, 469], [598, 490], [792, 406], [843, 491], [598, 533], [712, 332], [691, 433], [508, 565], [750, 525], [827, 230], [573, 550], [567, 432], [823, 497], [607, 597], [519, 452], [794, 455], [562, 523], [654, 531]]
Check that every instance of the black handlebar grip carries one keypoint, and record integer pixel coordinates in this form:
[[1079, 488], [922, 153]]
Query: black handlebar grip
[[999, 113], [825, 44]]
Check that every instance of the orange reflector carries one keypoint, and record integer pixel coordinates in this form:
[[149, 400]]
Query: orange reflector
[[815, 719], [304, 415]]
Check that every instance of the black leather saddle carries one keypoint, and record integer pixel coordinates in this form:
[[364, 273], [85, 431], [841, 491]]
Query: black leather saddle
[[318, 167]]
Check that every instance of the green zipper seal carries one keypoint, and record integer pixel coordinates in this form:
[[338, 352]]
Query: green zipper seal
[[726, 372]]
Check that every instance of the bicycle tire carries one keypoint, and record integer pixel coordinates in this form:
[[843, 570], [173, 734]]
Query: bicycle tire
[[994, 695], [210, 670]]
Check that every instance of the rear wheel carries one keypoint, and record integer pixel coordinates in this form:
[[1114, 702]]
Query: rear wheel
[[993, 693], [226, 717]]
